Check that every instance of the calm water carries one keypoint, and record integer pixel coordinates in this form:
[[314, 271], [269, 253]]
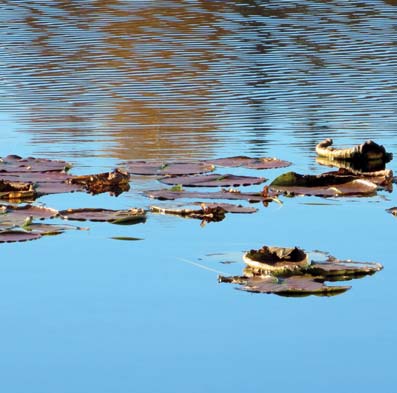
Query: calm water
[[97, 82]]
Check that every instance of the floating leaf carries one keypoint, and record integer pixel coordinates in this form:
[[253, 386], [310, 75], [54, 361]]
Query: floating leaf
[[14, 163], [16, 190], [276, 259], [10, 236], [127, 217], [287, 271], [207, 214], [286, 286], [114, 182], [160, 168], [250, 163], [50, 229], [213, 180], [367, 151], [40, 212], [322, 185], [232, 194], [337, 269], [229, 207]]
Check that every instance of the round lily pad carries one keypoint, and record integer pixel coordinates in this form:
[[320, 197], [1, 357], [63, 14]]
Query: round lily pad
[[213, 180], [250, 163], [169, 194], [14, 163], [10, 236], [159, 168], [326, 185], [127, 217]]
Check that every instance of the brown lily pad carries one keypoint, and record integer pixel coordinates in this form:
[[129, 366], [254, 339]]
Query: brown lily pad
[[367, 151], [337, 269], [229, 207], [285, 286], [205, 213], [39, 212], [213, 180], [50, 229], [276, 259], [114, 182], [231, 194], [326, 185], [287, 271], [126, 217], [159, 168], [250, 163], [10, 236], [17, 164], [16, 190]]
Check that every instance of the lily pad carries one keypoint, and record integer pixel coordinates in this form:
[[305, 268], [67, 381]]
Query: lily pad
[[39, 212], [250, 163], [51, 229], [16, 190], [213, 180], [343, 270], [159, 168], [126, 217], [114, 182], [205, 213], [229, 207], [14, 163], [231, 194], [367, 151], [10, 236], [285, 286], [276, 259], [327, 185], [288, 272]]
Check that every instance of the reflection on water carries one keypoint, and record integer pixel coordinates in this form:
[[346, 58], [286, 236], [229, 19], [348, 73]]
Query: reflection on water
[[166, 78]]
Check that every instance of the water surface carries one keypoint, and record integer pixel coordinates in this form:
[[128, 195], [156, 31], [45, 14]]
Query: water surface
[[97, 82]]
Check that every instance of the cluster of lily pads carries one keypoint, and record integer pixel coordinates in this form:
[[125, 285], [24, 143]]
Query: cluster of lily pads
[[361, 171]]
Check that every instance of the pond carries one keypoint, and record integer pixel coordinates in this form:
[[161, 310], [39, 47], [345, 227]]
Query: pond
[[97, 83]]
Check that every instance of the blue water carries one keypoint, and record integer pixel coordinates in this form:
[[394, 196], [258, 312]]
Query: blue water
[[101, 82]]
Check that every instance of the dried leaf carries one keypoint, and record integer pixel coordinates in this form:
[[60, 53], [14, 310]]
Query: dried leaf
[[114, 182], [277, 260]]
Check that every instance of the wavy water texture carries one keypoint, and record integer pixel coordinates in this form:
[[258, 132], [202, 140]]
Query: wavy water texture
[[189, 78]]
